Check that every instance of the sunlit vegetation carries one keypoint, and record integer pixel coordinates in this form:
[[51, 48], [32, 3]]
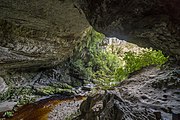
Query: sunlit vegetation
[[108, 67]]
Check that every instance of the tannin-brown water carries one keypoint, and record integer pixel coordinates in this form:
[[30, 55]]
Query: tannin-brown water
[[40, 109]]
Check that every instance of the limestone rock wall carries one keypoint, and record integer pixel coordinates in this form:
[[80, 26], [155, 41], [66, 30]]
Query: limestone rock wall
[[148, 23], [44, 32], [38, 32]]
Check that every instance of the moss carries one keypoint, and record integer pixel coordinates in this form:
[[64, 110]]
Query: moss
[[46, 90], [61, 85], [50, 90], [25, 99], [22, 95]]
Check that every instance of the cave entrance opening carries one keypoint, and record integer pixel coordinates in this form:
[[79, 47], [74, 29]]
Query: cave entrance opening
[[106, 61]]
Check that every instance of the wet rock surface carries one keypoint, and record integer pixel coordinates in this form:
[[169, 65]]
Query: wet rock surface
[[136, 98]]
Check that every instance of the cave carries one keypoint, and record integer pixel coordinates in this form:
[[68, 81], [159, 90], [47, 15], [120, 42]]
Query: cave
[[39, 39]]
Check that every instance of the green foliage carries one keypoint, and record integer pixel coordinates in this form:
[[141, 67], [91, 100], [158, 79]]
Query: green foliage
[[25, 95], [136, 61], [86, 57], [106, 64], [149, 57], [121, 74], [22, 94], [8, 114], [50, 90], [105, 67]]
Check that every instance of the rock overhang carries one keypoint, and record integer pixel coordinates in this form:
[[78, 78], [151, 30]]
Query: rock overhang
[[147, 23], [44, 33], [39, 33]]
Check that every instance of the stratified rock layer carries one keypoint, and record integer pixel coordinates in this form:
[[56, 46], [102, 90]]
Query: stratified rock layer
[[44, 33], [38, 33], [148, 23]]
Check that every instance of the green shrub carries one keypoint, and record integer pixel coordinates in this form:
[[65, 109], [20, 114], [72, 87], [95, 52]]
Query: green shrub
[[8, 114], [106, 68], [136, 61]]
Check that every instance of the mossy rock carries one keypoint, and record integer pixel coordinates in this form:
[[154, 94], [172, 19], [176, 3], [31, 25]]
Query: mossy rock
[[61, 85], [22, 95], [50, 90]]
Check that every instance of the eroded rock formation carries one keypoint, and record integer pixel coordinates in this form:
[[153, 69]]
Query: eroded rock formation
[[38, 33], [44, 33], [148, 23], [152, 94]]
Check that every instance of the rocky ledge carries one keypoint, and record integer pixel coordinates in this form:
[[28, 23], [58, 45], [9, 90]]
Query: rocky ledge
[[140, 97], [39, 33]]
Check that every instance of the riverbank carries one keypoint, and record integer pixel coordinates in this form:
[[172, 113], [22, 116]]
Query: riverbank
[[40, 110]]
